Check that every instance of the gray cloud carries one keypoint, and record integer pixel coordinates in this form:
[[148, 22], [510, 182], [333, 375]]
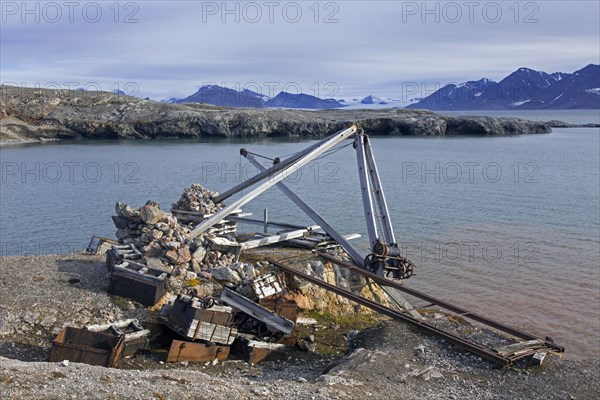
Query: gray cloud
[[373, 47]]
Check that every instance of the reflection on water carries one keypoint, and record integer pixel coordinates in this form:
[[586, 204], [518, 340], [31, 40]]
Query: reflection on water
[[508, 227]]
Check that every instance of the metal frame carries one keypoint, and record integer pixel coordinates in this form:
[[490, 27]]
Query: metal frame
[[275, 175], [304, 206]]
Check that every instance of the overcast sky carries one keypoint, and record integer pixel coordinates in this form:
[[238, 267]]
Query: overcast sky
[[340, 49]]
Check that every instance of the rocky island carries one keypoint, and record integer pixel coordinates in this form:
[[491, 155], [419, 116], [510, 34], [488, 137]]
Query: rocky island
[[48, 114]]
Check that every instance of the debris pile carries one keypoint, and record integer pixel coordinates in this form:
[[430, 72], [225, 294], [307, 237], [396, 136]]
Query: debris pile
[[160, 238], [196, 198], [209, 302], [148, 225]]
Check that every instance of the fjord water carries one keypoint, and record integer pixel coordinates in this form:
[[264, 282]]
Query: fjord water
[[504, 226]]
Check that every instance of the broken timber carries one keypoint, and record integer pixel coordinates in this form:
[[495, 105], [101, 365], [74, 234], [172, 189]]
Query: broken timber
[[475, 348], [120, 252], [97, 243]]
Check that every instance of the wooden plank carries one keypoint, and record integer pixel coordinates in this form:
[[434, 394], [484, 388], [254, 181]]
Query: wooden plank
[[250, 244]]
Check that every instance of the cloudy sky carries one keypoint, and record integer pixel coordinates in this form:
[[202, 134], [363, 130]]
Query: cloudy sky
[[338, 49]]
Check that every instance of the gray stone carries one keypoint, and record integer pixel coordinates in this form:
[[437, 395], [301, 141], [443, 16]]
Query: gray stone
[[199, 254], [225, 274], [156, 234], [204, 290], [48, 321], [151, 214], [126, 211], [158, 264]]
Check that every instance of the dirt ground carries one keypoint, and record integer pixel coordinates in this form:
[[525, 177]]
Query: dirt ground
[[356, 358]]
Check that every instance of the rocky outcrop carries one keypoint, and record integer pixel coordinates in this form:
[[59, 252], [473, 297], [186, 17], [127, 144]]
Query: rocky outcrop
[[46, 114]]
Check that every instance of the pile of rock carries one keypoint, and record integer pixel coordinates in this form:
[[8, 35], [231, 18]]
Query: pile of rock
[[197, 198], [204, 264], [164, 244], [159, 237]]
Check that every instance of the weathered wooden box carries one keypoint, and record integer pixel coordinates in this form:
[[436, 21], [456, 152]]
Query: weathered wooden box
[[136, 337], [196, 352], [287, 309], [189, 318], [138, 282], [83, 346], [254, 351], [186, 309]]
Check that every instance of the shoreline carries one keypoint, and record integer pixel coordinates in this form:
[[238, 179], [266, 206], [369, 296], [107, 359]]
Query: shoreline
[[63, 114], [18, 142], [381, 361]]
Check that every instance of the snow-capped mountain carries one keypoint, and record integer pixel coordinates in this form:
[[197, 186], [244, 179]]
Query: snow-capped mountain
[[372, 100], [226, 97], [301, 100], [523, 89]]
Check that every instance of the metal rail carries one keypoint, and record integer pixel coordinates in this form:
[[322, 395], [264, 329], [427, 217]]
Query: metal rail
[[443, 304], [475, 348]]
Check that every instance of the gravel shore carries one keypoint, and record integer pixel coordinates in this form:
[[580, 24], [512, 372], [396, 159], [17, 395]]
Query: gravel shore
[[392, 360]]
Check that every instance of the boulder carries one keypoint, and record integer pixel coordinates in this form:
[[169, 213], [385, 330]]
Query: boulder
[[151, 214], [126, 211], [225, 274]]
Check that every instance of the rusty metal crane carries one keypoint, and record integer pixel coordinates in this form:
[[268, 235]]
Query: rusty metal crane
[[385, 258]]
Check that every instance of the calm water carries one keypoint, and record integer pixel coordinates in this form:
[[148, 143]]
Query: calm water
[[508, 227]]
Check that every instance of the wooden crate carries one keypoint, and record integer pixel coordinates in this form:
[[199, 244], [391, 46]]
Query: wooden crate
[[196, 352], [138, 282], [83, 346]]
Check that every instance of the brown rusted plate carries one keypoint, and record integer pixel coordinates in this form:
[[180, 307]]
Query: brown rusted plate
[[94, 348], [196, 352], [284, 308]]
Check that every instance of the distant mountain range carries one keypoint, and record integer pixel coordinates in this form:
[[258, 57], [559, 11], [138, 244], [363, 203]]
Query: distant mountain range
[[524, 89], [222, 96]]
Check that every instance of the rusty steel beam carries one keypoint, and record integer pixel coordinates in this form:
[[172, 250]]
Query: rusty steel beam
[[458, 341], [430, 299]]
